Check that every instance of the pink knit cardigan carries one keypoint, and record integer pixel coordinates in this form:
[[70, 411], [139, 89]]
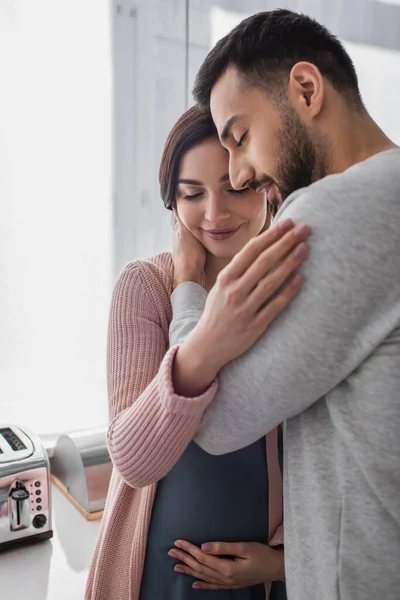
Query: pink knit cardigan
[[150, 427]]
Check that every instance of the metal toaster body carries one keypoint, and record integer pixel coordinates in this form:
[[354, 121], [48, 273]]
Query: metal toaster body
[[25, 490]]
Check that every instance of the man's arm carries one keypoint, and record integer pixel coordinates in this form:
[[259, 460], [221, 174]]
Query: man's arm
[[349, 303]]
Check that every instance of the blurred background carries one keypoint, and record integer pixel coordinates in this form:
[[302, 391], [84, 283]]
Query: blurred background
[[89, 90]]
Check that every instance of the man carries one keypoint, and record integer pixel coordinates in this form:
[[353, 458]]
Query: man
[[284, 96]]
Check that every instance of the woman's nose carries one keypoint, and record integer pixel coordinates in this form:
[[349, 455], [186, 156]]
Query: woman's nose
[[216, 209]]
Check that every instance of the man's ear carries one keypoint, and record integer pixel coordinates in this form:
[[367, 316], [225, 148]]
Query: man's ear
[[306, 89]]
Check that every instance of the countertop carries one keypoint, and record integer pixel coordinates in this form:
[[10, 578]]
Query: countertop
[[55, 569]]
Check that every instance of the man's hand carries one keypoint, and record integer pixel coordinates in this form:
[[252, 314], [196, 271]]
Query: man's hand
[[251, 564], [249, 294]]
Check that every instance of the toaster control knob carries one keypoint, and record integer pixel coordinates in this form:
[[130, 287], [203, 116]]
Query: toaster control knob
[[39, 521]]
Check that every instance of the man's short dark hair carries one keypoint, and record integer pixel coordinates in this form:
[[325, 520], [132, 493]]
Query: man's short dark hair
[[265, 47]]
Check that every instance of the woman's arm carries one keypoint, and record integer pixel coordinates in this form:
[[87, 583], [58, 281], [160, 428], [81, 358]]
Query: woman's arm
[[150, 426]]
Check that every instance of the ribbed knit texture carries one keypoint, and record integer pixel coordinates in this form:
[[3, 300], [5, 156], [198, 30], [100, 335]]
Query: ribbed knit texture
[[150, 426]]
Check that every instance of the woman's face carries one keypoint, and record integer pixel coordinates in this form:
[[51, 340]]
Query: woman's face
[[221, 218]]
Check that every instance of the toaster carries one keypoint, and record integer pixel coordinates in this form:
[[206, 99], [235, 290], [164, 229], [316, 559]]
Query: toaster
[[25, 492]]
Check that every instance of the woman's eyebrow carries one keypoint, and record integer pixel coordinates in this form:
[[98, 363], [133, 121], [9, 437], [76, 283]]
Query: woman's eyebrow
[[190, 181]]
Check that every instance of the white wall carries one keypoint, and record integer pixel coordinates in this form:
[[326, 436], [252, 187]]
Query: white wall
[[56, 213], [150, 94]]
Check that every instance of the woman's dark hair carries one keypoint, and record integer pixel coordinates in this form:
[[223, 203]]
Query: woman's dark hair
[[192, 128], [265, 47]]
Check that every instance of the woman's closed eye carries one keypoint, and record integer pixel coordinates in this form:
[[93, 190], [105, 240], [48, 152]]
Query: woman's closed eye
[[192, 196], [242, 191], [198, 195]]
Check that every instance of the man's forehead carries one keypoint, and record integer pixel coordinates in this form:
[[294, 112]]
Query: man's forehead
[[225, 97], [230, 79]]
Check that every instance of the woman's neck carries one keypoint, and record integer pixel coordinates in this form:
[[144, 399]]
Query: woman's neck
[[213, 266]]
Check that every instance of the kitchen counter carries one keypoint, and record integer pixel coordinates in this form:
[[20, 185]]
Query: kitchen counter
[[55, 569]]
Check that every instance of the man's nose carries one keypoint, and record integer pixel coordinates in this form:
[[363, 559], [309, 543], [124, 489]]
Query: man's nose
[[240, 173]]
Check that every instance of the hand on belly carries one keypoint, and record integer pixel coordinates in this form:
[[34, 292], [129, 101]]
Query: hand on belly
[[250, 564]]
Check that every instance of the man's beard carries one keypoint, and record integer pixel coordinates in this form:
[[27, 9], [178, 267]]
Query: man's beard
[[301, 160]]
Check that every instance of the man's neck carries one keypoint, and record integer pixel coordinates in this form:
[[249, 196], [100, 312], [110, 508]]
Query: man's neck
[[356, 138]]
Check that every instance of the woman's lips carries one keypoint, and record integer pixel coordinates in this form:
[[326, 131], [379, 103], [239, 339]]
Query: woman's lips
[[221, 234]]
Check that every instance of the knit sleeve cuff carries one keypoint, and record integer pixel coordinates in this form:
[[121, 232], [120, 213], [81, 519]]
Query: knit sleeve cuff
[[174, 403], [188, 297]]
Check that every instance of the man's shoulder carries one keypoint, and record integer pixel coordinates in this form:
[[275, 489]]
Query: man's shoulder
[[380, 171], [369, 189]]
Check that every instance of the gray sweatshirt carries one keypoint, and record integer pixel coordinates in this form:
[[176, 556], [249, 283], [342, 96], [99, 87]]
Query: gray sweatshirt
[[329, 367]]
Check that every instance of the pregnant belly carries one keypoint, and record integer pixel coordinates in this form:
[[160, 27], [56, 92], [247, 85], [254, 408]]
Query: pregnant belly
[[210, 498]]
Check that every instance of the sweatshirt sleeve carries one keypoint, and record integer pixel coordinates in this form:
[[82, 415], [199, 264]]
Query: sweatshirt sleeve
[[150, 426], [349, 304]]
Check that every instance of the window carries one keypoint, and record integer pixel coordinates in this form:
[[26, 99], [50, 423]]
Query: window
[[56, 212]]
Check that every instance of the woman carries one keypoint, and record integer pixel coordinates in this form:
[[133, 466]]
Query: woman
[[164, 488]]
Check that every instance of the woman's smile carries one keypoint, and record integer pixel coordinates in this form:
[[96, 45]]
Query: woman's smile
[[221, 234]]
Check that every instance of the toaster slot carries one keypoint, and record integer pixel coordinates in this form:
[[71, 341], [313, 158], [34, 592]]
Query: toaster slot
[[12, 439], [15, 445]]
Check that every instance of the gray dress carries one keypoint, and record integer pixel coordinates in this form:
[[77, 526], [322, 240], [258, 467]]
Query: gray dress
[[206, 498]]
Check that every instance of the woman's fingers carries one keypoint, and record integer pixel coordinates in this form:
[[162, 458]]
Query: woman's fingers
[[191, 566], [185, 558], [185, 550], [202, 574], [188, 255], [236, 549]]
